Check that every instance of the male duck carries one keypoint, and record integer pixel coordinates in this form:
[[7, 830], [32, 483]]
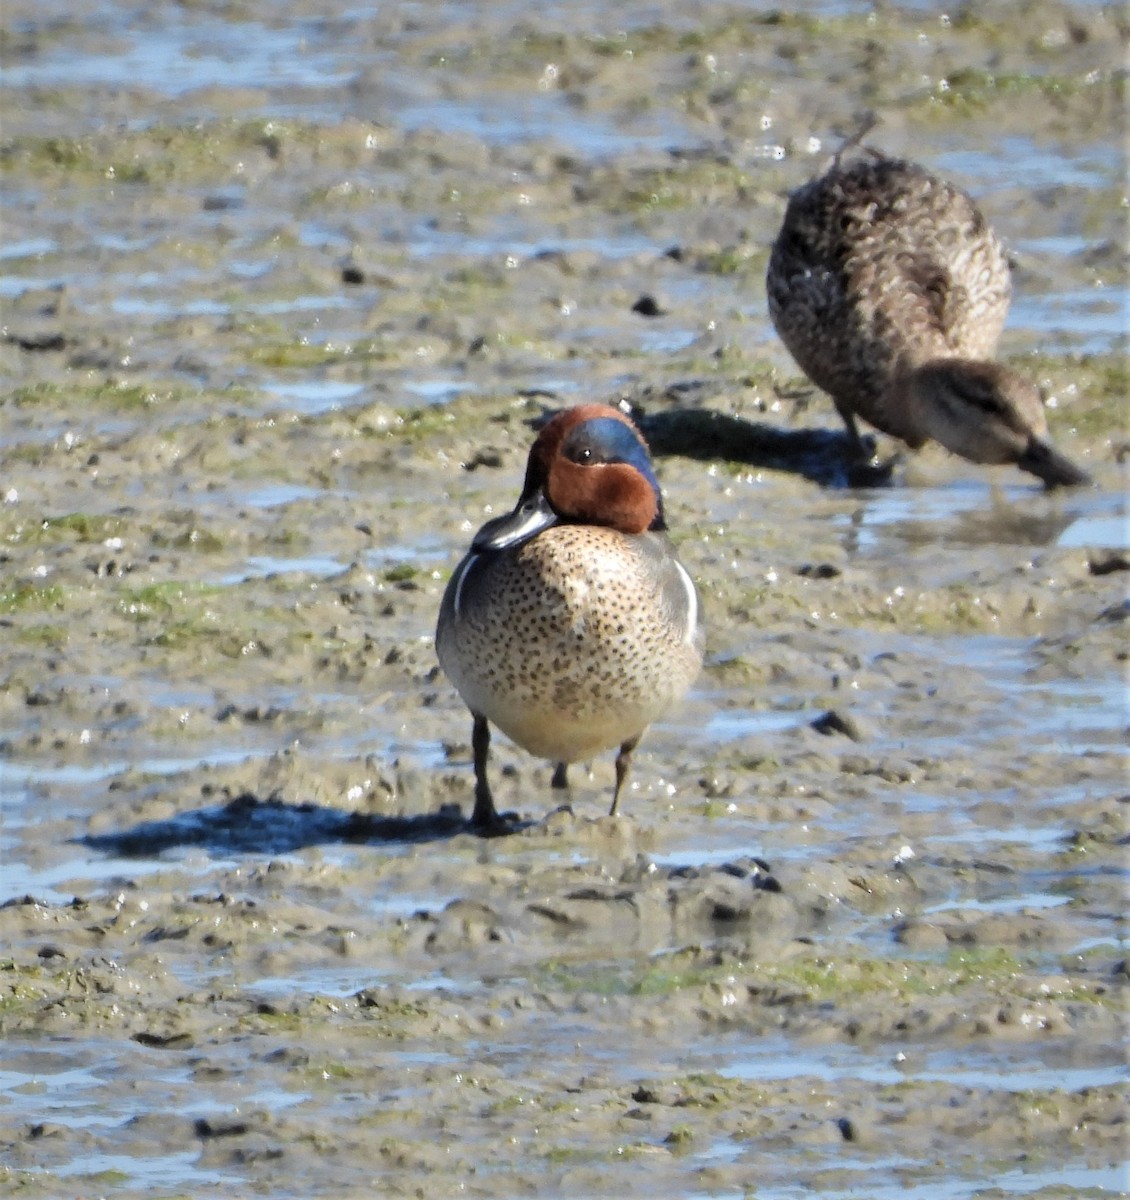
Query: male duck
[[570, 624], [890, 290]]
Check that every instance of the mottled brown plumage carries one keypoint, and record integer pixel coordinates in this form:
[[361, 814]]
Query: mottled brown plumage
[[890, 290]]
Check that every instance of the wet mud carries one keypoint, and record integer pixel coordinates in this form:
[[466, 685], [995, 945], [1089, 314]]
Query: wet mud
[[284, 300]]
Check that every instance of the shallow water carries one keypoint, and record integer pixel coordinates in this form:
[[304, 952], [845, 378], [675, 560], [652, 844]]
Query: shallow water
[[247, 947]]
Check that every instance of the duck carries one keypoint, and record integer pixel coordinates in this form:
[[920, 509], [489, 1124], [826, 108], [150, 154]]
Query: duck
[[890, 289], [570, 624]]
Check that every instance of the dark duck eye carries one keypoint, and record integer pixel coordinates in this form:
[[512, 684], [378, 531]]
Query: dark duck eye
[[603, 440]]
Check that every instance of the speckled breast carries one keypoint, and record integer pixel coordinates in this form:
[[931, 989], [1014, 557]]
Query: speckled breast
[[573, 642]]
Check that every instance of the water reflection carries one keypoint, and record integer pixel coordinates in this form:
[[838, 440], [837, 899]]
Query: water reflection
[[976, 512], [772, 1058]]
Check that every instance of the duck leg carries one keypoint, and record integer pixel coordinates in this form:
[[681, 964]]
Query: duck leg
[[623, 766], [864, 468], [862, 448], [560, 776], [485, 819]]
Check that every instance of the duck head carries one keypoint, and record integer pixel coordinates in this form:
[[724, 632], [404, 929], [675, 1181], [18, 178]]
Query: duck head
[[987, 413], [588, 466]]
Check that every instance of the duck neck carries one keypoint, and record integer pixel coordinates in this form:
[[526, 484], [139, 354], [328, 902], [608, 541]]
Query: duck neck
[[909, 405]]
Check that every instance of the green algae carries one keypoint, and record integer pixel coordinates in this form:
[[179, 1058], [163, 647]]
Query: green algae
[[23, 990], [644, 980], [166, 598], [1095, 389], [30, 597], [284, 636], [115, 395], [44, 636], [673, 188], [79, 527], [179, 616], [159, 155], [812, 980], [968, 91]]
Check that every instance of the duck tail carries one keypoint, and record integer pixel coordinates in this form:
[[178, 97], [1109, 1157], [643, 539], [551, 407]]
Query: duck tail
[[1055, 469], [865, 122]]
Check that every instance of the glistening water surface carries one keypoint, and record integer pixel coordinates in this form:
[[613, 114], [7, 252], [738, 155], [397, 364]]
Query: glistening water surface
[[285, 298]]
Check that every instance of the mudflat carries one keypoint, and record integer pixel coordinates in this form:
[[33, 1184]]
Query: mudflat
[[285, 295]]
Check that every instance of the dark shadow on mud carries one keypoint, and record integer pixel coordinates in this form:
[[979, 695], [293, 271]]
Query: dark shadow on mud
[[248, 825], [825, 456]]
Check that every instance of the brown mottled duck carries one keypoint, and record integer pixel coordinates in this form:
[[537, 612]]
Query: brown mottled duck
[[890, 289]]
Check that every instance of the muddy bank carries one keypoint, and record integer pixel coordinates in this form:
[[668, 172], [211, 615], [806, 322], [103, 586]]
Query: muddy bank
[[283, 302]]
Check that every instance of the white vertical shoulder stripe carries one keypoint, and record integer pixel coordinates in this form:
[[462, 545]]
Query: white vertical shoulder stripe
[[691, 631], [462, 571]]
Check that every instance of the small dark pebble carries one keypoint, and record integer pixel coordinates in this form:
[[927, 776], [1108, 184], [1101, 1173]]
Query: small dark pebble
[[722, 912], [648, 306], [221, 202], [1106, 563], [484, 458], [157, 1041], [37, 342], [833, 722], [47, 1129], [205, 1129]]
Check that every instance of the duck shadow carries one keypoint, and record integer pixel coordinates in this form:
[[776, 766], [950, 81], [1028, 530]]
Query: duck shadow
[[249, 825], [825, 456]]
